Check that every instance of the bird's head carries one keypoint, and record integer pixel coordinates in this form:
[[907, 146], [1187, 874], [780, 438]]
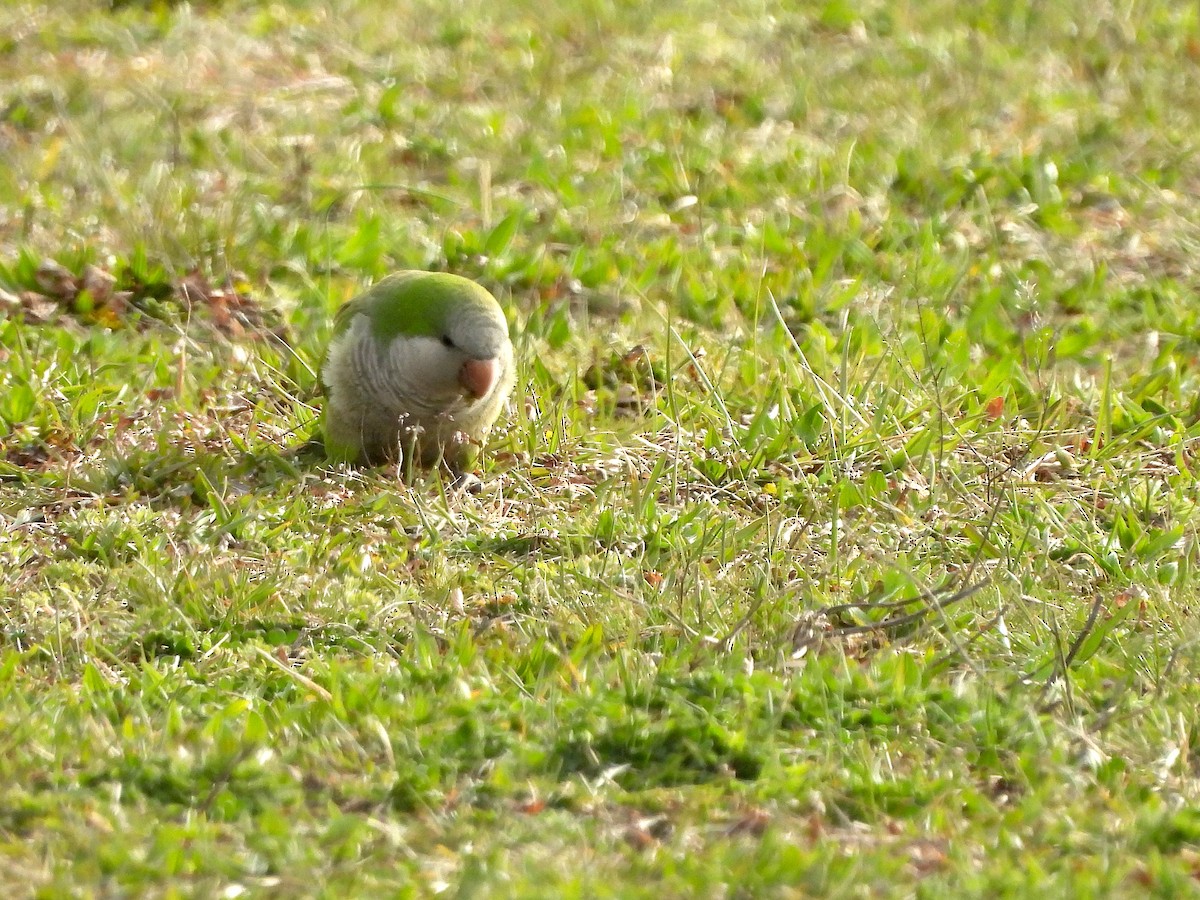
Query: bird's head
[[446, 333]]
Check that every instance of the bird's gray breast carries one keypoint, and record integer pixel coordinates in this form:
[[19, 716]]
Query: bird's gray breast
[[402, 376]]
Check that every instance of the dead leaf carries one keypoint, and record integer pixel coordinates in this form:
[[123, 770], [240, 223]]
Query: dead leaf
[[56, 280], [232, 310], [639, 838], [927, 856], [99, 284], [753, 822], [39, 309], [34, 457]]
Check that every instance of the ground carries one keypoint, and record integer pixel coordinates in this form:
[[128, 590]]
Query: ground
[[839, 539]]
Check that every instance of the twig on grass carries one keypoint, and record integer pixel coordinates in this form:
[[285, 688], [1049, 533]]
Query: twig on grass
[[933, 604], [299, 677], [1063, 666]]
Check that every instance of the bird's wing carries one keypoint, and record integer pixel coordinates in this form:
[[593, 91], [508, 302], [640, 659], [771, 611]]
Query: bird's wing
[[341, 321], [348, 310]]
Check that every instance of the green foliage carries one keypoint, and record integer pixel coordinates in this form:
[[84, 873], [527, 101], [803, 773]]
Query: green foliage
[[824, 312]]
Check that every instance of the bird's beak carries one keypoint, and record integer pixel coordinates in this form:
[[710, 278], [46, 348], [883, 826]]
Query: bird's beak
[[479, 376]]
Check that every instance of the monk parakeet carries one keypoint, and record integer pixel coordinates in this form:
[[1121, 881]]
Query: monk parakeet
[[418, 369]]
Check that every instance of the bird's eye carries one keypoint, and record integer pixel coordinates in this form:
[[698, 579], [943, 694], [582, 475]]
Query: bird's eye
[[447, 342]]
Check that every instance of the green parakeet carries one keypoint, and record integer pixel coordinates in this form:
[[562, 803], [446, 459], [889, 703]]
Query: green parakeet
[[417, 371]]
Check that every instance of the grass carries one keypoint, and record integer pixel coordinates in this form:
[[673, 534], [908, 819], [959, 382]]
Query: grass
[[840, 539]]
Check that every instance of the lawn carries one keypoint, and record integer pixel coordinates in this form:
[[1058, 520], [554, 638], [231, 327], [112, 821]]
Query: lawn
[[841, 536]]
